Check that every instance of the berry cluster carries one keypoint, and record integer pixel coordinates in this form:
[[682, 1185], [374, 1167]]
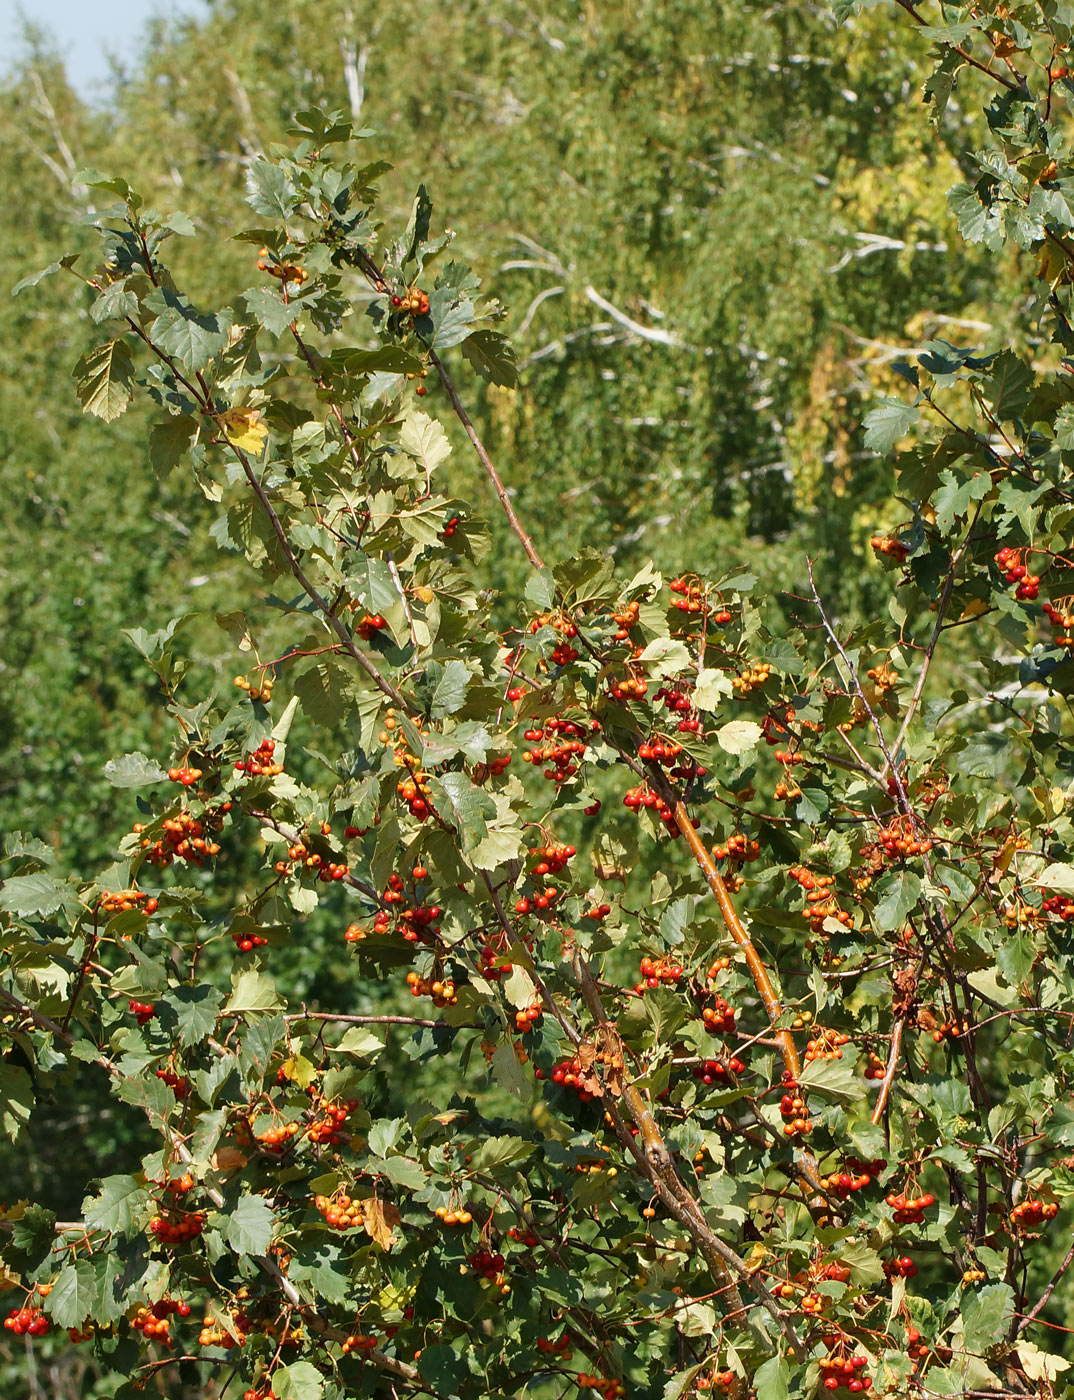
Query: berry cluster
[[1061, 616], [883, 677], [178, 1227], [285, 271], [260, 763], [570, 1074], [597, 912], [902, 1267], [716, 1072], [442, 991], [845, 1373], [793, 1110], [565, 751], [154, 1322], [415, 302], [358, 1341], [825, 1045], [1012, 565], [370, 625], [643, 796], [718, 1380], [183, 837], [690, 596], [909, 1210], [489, 1266], [657, 971], [261, 691], [327, 1130], [179, 1086], [678, 701], [1032, 1212], [890, 548], [629, 688], [27, 1321], [750, 678], [898, 841], [659, 751], [246, 942], [450, 527], [214, 1334], [453, 1217], [609, 1389], [562, 1348], [494, 768], [875, 1069], [187, 777], [719, 1018], [279, 1137], [736, 850], [528, 1016], [119, 901], [142, 1011], [950, 1030], [625, 619], [340, 1211]]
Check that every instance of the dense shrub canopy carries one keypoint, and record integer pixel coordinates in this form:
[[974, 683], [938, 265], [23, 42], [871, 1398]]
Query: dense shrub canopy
[[593, 914]]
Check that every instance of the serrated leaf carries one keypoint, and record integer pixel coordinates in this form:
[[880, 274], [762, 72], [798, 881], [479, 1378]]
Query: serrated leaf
[[450, 680], [252, 990], [738, 736], [884, 426], [16, 1099], [360, 1041], [191, 336], [467, 807], [105, 379], [268, 189], [1057, 877], [510, 1074], [169, 440], [195, 1010], [134, 770], [249, 1226], [666, 656], [499, 1151], [32, 894], [325, 692], [1010, 385], [518, 988], [371, 584], [74, 1295], [423, 438], [772, 1379], [833, 1079], [1040, 1365], [493, 356], [299, 1381], [898, 894], [710, 688], [985, 1312], [269, 309], [116, 1206]]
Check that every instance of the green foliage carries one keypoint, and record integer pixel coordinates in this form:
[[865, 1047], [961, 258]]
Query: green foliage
[[567, 1104]]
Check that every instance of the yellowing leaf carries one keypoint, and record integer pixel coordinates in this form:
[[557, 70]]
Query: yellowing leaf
[[378, 1219], [244, 429]]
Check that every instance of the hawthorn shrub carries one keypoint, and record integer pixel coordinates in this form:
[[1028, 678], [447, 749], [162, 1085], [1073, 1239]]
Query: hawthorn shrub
[[716, 985]]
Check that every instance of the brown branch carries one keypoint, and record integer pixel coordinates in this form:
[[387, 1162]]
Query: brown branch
[[486, 461]]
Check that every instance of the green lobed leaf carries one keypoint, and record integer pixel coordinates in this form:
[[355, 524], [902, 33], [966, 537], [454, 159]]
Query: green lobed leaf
[[248, 1229], [105, 379]]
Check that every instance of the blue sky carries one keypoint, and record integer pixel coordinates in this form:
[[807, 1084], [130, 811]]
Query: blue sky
[[87, 31]]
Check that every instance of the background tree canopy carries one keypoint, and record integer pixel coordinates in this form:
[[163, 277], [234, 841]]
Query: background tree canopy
[[718, 235], [713, 228]]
